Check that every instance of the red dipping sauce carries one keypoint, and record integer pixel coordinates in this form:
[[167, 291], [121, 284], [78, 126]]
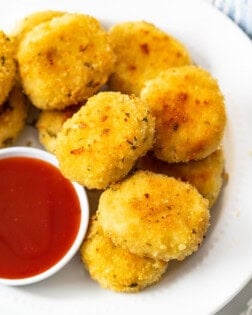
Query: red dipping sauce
[[39, 216]]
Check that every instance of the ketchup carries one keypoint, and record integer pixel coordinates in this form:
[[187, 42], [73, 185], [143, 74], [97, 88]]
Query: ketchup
[[39, 216]]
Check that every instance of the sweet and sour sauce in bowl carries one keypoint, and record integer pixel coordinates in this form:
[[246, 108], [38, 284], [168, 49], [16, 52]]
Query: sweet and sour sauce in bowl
[[43, 216]]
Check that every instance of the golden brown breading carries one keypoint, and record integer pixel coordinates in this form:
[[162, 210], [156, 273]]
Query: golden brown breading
[[142, 51], [13, 114], [206, 174], [116, 268], [154, 215], [49, 124], [7, 67], [101, 142], [64, 61], [30, 21], [190, 113]]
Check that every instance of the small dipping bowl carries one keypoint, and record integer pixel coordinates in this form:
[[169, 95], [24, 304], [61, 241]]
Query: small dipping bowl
[[28, 152]]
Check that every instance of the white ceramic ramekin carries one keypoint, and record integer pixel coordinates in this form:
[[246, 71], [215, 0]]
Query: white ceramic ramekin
[[83, 200]]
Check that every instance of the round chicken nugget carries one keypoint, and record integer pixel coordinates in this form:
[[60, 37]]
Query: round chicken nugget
[[64, 61], [116, 268], [7, 66], [30, 21], [190, 113], [101, 142], [154, 215], [206, 174], [142, 51], [13, 115], [49, 125]]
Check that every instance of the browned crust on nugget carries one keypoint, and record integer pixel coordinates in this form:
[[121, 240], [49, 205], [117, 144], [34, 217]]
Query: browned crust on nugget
[[116, 268], [190, 113], [30, 21], [142, 51], [13, 115], [206, 174], [7, 66], [64, 61], [102, 141], [154, 215], [49, 124]]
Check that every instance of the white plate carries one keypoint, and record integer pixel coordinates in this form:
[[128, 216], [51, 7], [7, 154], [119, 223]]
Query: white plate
[[211, 277]]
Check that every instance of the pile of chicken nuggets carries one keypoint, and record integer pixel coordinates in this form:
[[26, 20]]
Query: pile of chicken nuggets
[[127, 112]]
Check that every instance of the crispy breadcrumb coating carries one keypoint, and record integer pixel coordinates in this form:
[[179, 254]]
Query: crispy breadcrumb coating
[[7, 66], [190, 113], [49, 125], [64, 61], [25, 25], [101, 142], [206, 174], [116, 268], [13, 115], [153, 215], [142, 51]]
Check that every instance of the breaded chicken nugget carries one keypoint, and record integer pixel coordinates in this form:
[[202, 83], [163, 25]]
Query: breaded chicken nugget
[[206, 174], [64, 61], [190, 113], [13, 115], [116, 268], [49, 124], [7, 66], [142, 51], [32, 20], [154, 215], [101, 142]]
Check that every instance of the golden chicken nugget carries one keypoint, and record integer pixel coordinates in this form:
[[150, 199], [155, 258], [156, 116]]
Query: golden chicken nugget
[[116, 268], [30, 21], [153, 215], [7, 66], [206, 174], [190, 113], [49, 124], [13, 115], [142, 51], [64, 61], [101, 142]]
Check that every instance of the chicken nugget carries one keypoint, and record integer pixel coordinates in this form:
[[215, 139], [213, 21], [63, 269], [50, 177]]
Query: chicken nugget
[[154, 215], [190, 113], [101, 142], [30, 21], [116, 268], [206, 174], [7, 66], [49, 124], [64, 61], [13, 115], [142, 51]]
